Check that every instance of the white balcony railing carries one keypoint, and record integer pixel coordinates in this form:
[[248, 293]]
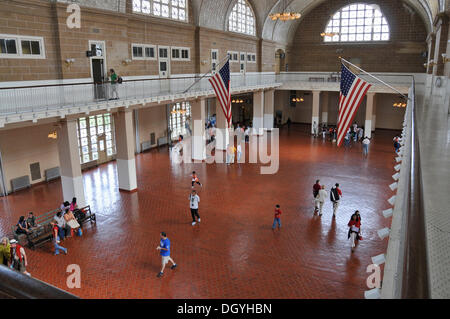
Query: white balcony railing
[[25, 99]]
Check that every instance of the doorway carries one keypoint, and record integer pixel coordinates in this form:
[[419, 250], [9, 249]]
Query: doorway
[[164, 62], [280, 61], [214, 60], [243, 62], [98, 69]]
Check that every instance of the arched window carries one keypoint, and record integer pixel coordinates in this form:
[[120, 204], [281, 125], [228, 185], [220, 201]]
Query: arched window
[[171, 9], [357, 23], [241, 18]]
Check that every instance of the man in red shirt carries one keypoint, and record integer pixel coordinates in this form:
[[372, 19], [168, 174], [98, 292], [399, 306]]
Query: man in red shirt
[[277, 219]]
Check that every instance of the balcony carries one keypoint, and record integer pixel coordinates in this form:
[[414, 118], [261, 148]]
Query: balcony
[[31, 103]]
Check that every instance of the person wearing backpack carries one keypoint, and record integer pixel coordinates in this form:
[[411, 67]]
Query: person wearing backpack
[[335, 196], [114, 80]]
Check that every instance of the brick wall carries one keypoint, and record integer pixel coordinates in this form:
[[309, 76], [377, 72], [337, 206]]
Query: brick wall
[[118, 30], [401, 54], [30, 19]]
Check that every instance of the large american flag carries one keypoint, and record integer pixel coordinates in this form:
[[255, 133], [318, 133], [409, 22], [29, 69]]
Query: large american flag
[[353, 90], [221, 84]]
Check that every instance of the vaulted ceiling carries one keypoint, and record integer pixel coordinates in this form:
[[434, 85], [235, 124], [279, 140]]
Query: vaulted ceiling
[[213, 14]]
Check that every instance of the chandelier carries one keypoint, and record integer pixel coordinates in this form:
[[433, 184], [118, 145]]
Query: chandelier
[[329, 34], [178, 111], [285, 15]]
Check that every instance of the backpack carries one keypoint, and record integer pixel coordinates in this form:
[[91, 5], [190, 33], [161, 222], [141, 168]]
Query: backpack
[[334, 195], [119, 80]]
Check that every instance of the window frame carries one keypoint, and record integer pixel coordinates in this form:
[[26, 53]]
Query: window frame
[[18, 40], [144, 47], [374, 7], [186, 9], [244, 23], [252, 57], [180, 54], [232, 53]]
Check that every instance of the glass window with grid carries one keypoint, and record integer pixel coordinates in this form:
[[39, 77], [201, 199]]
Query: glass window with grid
[[171, 9], [90, 131], [241, 18], [357, 23], [177, 121]]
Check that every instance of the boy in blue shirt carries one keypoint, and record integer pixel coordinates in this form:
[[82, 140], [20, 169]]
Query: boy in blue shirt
[[164, 248]]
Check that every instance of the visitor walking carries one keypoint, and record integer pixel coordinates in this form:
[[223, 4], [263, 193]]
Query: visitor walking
[[316, 189], [195, 179], [365, 144], [164, 251], [194, 199], [335, 197], [114, 78], [320, 198], [56, 241], [277, 219], [354, 230], [315, 129], [5, 251], [18, 259]]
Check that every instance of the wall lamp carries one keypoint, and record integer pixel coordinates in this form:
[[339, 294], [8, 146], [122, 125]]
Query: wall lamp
[[444, 58], [126, 61], [69, 62], [53, 135]]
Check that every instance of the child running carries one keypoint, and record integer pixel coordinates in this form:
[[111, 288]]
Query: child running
[[195, 180]]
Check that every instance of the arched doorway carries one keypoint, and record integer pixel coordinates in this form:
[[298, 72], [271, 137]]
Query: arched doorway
[[280, 61]]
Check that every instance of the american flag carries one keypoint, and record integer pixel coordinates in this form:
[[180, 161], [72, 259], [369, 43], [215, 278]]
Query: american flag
[[221, 84], [353, 90]]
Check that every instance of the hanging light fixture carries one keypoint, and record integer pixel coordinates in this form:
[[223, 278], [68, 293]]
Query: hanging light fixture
[[284, 15]]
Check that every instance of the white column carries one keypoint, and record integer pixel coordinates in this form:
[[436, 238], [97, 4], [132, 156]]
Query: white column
[[69, 159], [315, 109], [268, 109], [198, 115], [369, 114], [325, 108], [258, 112], [222, 132], [126, 164], [374, 114]]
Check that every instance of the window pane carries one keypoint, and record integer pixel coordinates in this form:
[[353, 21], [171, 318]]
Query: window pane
[[85, 158], [11, 47], [146, 7], [26, 47], [93, 131], [94, 156], [84, 141], [92, 121], [358, 22], [137, 5]]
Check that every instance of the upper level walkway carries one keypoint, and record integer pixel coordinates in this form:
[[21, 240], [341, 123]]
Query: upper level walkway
[[19, 103]]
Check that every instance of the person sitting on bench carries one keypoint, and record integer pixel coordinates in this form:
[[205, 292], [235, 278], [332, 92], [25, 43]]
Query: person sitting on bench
[[31, 221], [71, 222], [61, 223]]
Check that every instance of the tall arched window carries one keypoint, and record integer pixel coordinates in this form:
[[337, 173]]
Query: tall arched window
[[171, 9], [241, 18], [357, 23]]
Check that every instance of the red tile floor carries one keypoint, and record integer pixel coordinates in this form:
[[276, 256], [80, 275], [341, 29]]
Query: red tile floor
[[233, 253]]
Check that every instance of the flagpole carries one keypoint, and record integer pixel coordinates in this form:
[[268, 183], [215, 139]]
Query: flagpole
[[204, 75], [389, 86]]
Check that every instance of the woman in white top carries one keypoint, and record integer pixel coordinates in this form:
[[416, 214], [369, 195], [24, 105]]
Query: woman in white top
[[365, 144], [320, 198]]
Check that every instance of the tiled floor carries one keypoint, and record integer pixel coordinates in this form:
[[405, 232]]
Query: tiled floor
[[233, 253]]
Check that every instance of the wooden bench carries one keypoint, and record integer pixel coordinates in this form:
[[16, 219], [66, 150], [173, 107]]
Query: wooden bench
[[88, 216], [44, 230]]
